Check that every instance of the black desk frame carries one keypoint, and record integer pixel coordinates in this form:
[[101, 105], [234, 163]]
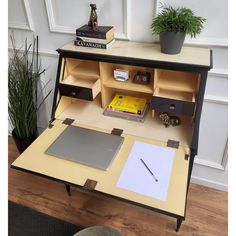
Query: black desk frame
[[202, 70]]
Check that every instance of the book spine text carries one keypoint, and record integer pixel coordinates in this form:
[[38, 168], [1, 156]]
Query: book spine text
[[90, 44]]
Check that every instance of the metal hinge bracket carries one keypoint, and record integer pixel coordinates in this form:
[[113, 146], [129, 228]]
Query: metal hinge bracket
[[173, 143], [50, 123], [90, 184], [68, 121], [117, 132], [186, 157]]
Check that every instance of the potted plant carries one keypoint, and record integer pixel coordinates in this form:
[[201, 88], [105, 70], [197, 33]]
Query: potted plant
[[24, 73], [172, 24]]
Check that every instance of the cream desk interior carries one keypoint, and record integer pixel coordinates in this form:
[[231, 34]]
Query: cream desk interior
[[85, 86]]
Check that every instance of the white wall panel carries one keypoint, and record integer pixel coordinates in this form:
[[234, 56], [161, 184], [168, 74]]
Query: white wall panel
[[220, 58], [17, 12], [79, 12], [213, 132], [19, 15], [213, 10], [217, 85], [141, 15]]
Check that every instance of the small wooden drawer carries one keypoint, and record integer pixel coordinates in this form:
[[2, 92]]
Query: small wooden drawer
[[172, 105], [80, 88], [76, 92]]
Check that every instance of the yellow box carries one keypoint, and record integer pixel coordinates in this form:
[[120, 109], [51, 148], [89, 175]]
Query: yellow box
[[128, 104]]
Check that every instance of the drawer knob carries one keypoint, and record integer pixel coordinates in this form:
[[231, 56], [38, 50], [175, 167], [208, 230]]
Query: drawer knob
[[172, 107], [73, 93]]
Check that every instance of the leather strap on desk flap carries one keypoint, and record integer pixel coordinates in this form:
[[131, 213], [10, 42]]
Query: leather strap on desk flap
[[50, 123], [90, 184], [116, 131], [68, 121], [172, 143]]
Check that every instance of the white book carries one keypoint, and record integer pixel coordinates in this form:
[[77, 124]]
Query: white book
[[93, 40], [93, 45]]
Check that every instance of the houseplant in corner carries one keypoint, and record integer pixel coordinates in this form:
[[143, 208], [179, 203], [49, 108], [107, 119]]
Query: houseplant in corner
[[172, 24], [24, 77]]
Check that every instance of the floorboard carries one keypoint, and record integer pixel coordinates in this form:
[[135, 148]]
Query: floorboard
[[206, 209]]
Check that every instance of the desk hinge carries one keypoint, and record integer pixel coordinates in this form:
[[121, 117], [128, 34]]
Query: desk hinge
[[90, 184], [68, 121], [117, 132], [186, 157], [50, 123], [173, 143]]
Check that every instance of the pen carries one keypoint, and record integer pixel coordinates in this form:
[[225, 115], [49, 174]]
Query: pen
[[148, 169]]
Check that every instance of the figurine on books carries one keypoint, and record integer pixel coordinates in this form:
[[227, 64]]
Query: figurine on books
[[93, 19], [92, 35]]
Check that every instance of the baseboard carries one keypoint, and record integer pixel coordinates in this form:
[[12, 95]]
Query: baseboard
[[209, 183]]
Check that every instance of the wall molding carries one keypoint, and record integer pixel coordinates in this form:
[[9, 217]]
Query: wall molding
[[207, 163], [30, 23], [155, 9], [48, 53], [209, 183], [216, 99], [222, 73], [215, 42], [43, 52], [71, 30], [211, 164]]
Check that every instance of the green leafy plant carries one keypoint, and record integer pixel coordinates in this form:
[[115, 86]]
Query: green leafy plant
[[177, 20], [24, 73]]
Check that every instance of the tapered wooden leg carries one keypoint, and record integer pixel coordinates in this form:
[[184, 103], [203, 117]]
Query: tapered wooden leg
[[179, 222], [68, 189]]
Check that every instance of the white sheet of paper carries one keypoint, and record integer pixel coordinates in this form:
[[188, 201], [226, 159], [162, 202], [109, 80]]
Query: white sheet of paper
[[136, 177]]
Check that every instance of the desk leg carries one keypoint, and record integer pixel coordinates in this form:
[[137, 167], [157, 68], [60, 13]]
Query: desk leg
[[68, 189], [179, 222]]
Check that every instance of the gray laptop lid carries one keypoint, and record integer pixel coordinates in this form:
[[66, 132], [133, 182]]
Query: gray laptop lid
[[89, 147]]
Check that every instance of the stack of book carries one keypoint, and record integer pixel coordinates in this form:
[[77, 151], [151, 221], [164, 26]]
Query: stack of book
[[101, 37], [127, 107]]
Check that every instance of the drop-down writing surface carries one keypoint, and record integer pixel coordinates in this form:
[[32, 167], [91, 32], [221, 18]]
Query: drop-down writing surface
[[35, 160]]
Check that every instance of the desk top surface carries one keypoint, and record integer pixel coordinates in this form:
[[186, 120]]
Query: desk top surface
[[148, 51]]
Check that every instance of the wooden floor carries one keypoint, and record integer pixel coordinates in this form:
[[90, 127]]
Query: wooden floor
[[206, 209]]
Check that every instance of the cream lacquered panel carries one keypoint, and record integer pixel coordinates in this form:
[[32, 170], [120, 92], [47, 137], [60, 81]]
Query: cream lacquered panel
[[148, 51], [34, 159], [91, 114]]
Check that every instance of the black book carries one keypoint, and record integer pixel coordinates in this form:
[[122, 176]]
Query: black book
[[102, 32]]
